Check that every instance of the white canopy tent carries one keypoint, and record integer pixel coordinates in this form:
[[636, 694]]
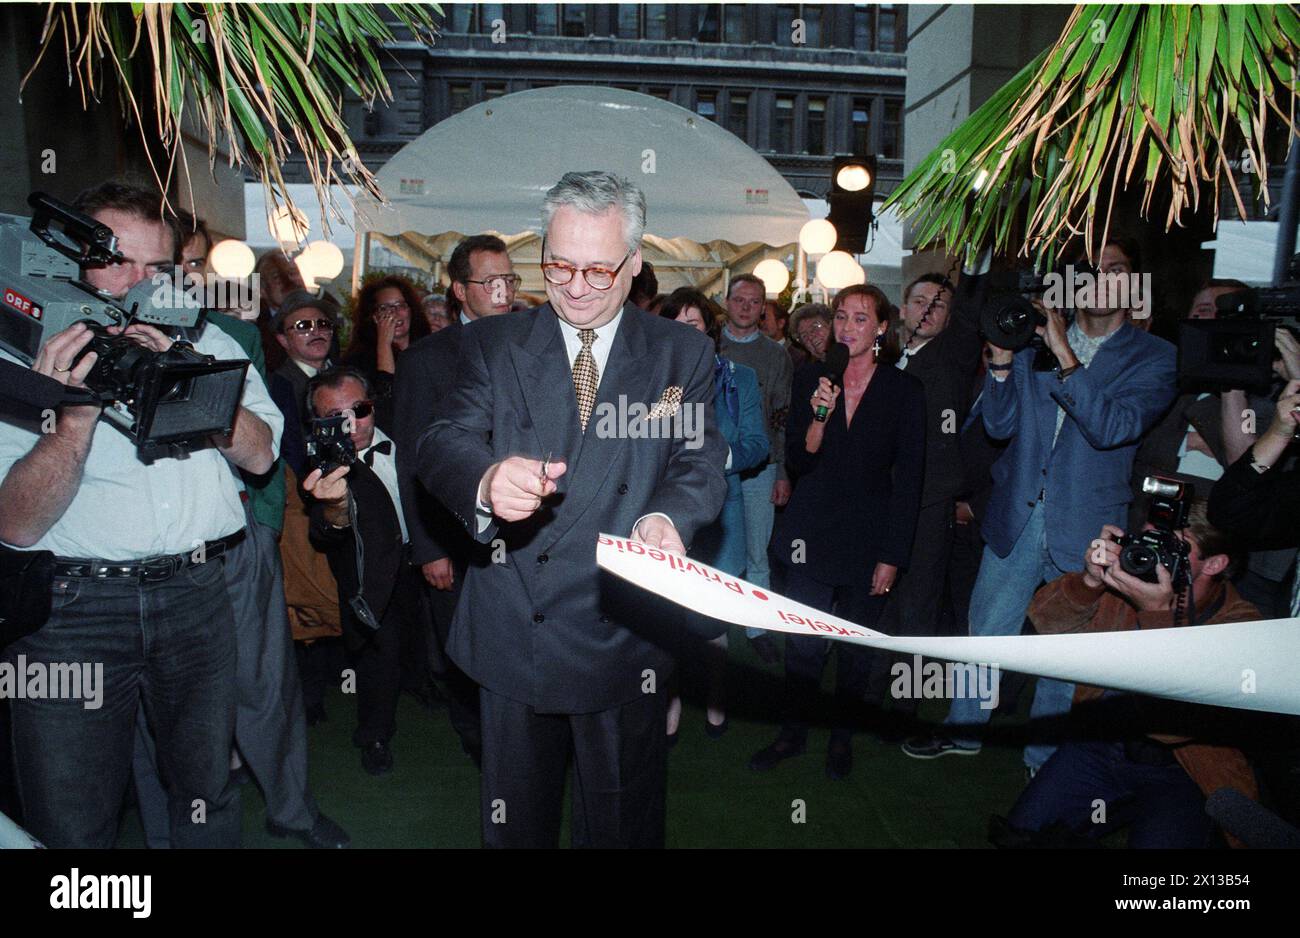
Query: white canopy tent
[[715, 206]]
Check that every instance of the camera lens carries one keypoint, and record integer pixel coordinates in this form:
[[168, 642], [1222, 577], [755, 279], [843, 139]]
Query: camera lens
[[1138, 559]]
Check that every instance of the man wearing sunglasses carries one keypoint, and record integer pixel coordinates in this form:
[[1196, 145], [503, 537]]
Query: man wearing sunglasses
[[304, 327], [357, 522], [573, 663]]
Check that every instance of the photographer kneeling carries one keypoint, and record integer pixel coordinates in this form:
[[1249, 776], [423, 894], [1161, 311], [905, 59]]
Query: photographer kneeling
[[1154, 761]]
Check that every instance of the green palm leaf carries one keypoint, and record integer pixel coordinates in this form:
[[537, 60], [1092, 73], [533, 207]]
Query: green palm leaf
[[1170, 95]]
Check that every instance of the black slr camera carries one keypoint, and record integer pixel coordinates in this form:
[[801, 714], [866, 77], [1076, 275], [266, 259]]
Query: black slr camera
[[1142, 551], [330, 444]]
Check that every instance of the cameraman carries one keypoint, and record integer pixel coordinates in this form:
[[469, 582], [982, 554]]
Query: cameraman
[[1152, 762], [1073, 432], [1254, 499], [132, 589], [362, 503]]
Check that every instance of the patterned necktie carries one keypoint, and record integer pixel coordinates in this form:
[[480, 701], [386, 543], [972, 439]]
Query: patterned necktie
[[586, 377]]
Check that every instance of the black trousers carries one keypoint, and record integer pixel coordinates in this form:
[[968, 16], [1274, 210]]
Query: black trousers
[[462, 692], [620, 774], [376, 656], [805, 657]]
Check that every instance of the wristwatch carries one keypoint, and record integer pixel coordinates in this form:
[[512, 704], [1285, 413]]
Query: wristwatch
[[1064, 373]]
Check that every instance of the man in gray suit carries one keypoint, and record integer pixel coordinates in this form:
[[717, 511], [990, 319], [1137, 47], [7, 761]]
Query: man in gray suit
[[571, 661]]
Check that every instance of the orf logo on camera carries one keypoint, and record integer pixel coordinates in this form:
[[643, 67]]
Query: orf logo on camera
[[21, 303]]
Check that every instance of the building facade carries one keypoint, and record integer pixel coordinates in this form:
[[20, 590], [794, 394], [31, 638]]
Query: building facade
[[798, 82]]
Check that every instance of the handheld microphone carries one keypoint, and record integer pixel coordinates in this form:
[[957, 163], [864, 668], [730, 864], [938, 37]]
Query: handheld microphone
[[837, 359]]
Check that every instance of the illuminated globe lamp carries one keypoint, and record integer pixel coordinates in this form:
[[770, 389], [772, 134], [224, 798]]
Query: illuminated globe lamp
[[323, 258], [853, 178], [774, 275], [817, 236], [231, 259], [289, 227], [837, 270]]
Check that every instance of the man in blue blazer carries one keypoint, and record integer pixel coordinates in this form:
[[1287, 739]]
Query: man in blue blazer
[[1074, 432], [572, 662]]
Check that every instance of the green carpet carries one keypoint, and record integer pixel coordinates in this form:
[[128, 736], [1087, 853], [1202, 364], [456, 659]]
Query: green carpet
[[714, 800]]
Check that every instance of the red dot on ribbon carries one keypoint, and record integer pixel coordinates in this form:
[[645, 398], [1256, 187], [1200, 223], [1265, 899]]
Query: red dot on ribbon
[[759, 594]]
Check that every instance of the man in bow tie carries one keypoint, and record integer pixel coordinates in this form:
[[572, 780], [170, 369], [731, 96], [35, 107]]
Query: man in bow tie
[[572, 663], [378, 585]]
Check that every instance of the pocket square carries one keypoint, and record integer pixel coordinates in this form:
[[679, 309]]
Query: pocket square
[[670, 401]]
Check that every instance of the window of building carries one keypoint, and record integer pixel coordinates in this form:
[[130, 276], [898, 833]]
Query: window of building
[[786, 14], [738, 115], [735, 25], [812, 25], [629, 21], [708, 25], [891, 126], [656, 20], [489, 13], [888, 28], [783, 125], [546, 19], [706, 104], [863, 33], [575, 19], [816, 145], [493, 91], [665, 94], [459, 97], [861, 126], [462, 17]]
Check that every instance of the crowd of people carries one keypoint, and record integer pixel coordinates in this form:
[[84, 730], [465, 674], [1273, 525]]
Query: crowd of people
[[934, 484]]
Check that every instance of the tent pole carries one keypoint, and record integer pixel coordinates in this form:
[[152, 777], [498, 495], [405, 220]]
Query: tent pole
[[360, 257]]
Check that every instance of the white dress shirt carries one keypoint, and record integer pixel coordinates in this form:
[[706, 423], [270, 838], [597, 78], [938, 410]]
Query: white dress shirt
[[385, 467]]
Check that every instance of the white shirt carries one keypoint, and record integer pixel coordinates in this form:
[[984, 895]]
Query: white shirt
[[909, 352], [385, 467], [599, 348], [307, 369], [1193, 462], [125, 510]]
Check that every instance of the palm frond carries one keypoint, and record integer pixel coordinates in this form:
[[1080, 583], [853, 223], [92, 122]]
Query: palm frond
[[259, 79], [1174, 93]]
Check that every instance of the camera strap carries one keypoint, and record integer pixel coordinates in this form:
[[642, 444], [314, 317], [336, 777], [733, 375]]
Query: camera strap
[[360, 608]]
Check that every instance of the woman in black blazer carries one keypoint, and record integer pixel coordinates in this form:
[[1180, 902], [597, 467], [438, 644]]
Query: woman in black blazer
[[848, 528]]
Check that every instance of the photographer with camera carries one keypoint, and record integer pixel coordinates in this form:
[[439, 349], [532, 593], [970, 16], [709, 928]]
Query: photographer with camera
[[1152, 762], [1074, 430], [357, 522], [137, 574]]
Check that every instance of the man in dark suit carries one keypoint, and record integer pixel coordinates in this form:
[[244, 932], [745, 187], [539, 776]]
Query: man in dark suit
[[356, 520], [483, 283], [944, 353], [525, 453]]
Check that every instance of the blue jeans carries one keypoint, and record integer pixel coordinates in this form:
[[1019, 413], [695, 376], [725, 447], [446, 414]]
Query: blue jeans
[[998, 605], [1164, 806], [169, 644], [760, 513]]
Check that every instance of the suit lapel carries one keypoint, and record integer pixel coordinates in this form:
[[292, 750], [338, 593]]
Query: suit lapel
[[625, 375], [546, 385]]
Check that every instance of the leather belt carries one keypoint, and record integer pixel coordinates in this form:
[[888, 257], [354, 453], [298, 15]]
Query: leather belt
[[150, 569]]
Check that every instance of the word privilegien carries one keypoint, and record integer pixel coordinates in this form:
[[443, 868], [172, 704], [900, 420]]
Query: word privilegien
[[59, 680], [637, 421], [1088, 290], [945, 680]]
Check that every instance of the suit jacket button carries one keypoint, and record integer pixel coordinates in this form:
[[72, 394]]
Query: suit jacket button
[[604, 618], [1031, 504], [542, 558], [622, 489], [539, 618]]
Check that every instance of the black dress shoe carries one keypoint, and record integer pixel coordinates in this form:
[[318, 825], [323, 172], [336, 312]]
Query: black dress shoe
[[324, 834], [715, 730], [316, 714], [787, 746], [377, 758], [765, 646], [839, 760]]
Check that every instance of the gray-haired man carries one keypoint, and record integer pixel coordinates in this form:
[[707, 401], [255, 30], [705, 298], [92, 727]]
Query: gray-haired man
[[572, 663]]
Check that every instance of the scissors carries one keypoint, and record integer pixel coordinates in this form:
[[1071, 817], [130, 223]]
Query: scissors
[[546, 466]]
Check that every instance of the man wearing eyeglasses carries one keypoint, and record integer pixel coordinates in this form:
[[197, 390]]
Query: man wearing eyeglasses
[[304, 327], [573, 663], [483, 283]]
